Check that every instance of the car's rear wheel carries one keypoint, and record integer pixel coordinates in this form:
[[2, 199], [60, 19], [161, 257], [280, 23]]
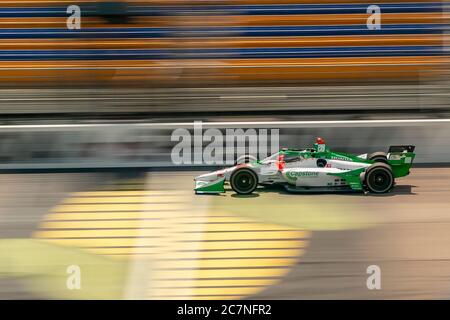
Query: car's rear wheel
[[378, 157], [379, 178], [244, 181]]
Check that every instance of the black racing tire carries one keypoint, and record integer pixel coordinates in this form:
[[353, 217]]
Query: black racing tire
[[379, 178], [247, 158], [378, 157], [244, 181]]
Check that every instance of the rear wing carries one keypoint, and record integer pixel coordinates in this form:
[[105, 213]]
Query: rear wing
[[400, 158], [401, 149]]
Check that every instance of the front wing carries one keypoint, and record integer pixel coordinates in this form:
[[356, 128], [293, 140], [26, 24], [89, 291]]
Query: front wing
[[210, 187]]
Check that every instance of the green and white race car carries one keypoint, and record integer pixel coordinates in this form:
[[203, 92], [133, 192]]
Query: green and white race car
[[314, 170]]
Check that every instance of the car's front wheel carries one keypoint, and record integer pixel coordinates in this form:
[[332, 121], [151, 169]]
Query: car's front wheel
[[246, 158], [244, 181], [379, 178]]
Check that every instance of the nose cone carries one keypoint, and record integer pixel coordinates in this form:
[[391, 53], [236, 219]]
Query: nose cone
[[207, 176]]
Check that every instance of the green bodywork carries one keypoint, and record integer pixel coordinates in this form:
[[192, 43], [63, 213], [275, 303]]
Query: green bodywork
[[352, 178], [401, 163]]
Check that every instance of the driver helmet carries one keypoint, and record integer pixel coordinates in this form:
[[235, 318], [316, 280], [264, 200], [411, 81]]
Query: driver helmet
[[320, 145]]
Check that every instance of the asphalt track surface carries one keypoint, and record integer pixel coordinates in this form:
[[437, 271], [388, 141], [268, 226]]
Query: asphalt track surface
[[148, 236]]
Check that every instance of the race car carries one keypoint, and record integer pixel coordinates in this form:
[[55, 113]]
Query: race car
[[314, 169]]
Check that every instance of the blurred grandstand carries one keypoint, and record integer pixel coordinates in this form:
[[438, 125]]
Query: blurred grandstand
[[159, 56]]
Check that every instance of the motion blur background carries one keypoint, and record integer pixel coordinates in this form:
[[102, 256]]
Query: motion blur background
[[108, 96]]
